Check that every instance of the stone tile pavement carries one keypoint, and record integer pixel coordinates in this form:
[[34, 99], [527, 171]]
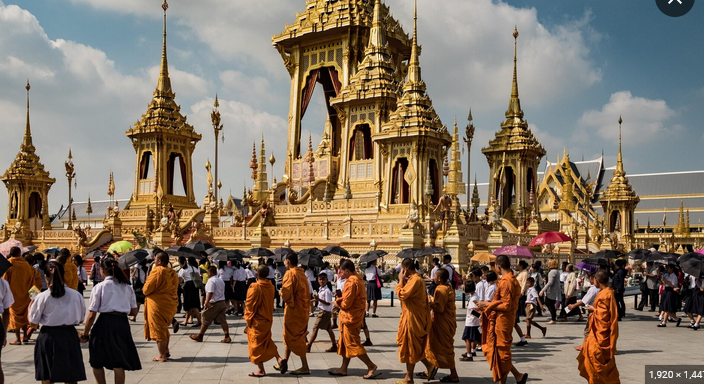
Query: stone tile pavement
[[547, 360]]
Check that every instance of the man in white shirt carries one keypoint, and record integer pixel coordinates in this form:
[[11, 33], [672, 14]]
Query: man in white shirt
[[324, 299], [586, 301], [6, 300], [215, 306]]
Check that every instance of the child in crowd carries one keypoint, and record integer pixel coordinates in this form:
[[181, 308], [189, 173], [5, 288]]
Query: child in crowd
[[324, 299], [472, 335], [532, 304], [491, 278]]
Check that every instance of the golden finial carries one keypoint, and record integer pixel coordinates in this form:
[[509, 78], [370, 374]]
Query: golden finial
[[164, 83], [414, 65], [165, 6], [27, 141], [272, 159], [377, 36], [69, 154], [470, 115], [28, 87], [619, 161], [217, 103], [515, 32], [219, 184]]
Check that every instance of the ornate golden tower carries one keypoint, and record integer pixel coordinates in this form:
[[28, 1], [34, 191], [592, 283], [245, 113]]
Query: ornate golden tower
[[513, 157], [28, 185], [619, 202], [164, 143]]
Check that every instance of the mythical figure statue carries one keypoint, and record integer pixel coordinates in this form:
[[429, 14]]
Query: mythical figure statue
[[412, 217], [81, 237], [496, 222]]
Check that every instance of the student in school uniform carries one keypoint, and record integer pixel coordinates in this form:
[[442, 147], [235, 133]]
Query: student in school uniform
[[82, 274], [436, 266], [191, 293], [110, 339], [697, 303], [225, 273], [373, 277], [324, 299], [57, 353], [138, 276], [250, 276], [490, 287], [532, 303], [471, 334], [669, 305], [6, 300], [215, 307], [239, 275]]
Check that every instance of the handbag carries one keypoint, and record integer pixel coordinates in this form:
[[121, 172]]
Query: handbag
[[378, 280]]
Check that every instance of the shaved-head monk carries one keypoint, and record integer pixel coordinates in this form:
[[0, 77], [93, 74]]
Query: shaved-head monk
[[259, 315], [70, 269], [597, 362], [414, 325], [440, 353], [295, 291], [497, 323], [160, 292], [21, 279], [352, 302]]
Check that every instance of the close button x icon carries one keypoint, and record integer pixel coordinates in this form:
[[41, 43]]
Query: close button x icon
[[670, 2]]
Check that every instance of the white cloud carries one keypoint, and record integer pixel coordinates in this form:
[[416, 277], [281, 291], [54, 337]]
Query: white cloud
[[253, 89], [551, 143], [643, 119]]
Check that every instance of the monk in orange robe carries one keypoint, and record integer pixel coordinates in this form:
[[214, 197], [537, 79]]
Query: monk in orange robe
[[498, 320], [295, 292], [414, 324], [160, 291], [21, 279], [352, 303], [70, 269], [259, 315], [440, 353], [597, 362]]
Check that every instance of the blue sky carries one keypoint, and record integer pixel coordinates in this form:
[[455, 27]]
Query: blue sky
[[92, 64]]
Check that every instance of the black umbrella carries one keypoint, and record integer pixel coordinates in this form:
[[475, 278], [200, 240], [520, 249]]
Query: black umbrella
[[180, 251], [409, 253], [132, 258], [4, 265], [281, 253], [312, 251], [596, 261], [52, 251], [310, 260], [199, 246], [638, 254], [221, 254], [653, 257], [692, 263], [337, 250], [371, 256], [608, 255], [259, 252], [432, 251], [95, 253]]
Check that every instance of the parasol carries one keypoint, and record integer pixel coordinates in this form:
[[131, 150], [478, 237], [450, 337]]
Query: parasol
[[132, 258], [199, 246], [337, 250], [120, 247], [180, 251], [6, 246], [409, 253], [371, 256], [483, 257], [549, 238], [514, 251]]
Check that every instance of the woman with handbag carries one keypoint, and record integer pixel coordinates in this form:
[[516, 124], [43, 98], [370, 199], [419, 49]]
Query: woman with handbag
[[373, 277]]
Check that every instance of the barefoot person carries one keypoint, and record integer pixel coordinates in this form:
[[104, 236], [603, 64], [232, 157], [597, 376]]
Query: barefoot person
[[597, 361], [295, 292], [440, 353], [259, 315], [160, 292], [215, 306], [352, 303], [414, 325], [111, 345], [498, 321], [21, 279]]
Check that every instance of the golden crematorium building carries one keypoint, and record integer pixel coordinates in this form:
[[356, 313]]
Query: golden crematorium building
[[387, 173]]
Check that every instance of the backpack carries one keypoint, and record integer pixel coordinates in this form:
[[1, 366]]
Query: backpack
[[456, 280]]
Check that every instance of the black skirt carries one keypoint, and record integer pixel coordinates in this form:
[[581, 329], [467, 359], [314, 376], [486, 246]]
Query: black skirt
[[695, 304], [373, 292], [229, 293], [670, 301], [191, 296], [240, 291], [111, 345], [57, 355]]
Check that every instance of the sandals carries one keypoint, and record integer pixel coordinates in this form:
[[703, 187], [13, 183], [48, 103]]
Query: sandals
[[227, 340], [332, 349], [197, 338], [371, 376], [18, 342], [298, 372], [334, 373], [448, 379], [432, 373], [466, 358], [282, 367], [422, 375], [252, 374]]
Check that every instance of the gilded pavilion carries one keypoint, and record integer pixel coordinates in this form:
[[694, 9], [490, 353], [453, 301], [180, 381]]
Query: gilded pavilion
[[387, 173]]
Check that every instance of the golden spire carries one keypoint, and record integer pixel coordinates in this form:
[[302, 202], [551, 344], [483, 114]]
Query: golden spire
[[253, 163], [377, 35], [619, 162], [27, 141], [163, 85], [414, 63], [514, 105]]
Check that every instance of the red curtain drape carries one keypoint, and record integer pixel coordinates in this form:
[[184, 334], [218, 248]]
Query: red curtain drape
[[308, 90], [170, 175], [183, 174], [335, 80]]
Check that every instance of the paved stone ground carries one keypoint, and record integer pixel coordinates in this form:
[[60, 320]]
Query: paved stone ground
[[548, 360]]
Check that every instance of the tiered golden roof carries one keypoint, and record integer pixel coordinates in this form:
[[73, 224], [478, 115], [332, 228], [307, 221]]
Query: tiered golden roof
[[620, 189], [27, 164], [454, 185]]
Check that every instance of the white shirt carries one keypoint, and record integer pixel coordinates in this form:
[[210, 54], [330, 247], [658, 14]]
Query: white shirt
[[225, 273], [532, 296], [471, 320], [272, 273], [490, 291], [140, 275], [563, 276], [82, 275], [588, 298], [217, 287], [239, 274], [341, 284], [330, 273], [481, 290], [6, 298], [67, 310], [450, 270], [250, 274], [185, 273], [371, 272], [325, 294], [432, 272], [672, 278], [310, 275], [112, 296]]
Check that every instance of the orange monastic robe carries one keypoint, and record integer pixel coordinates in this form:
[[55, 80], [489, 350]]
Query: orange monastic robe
[[295, 292], [71, 275], [414, 325], [441, 349], [497, 326], [352, 305], [21, 279], [259, 315], [597, 362], [160, 291]]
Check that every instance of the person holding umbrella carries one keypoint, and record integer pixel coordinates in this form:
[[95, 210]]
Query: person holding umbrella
[[652, 284], [373, 277], [670, 296]]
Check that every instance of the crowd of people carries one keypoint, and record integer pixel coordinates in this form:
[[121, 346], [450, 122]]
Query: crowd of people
[[47, 295]]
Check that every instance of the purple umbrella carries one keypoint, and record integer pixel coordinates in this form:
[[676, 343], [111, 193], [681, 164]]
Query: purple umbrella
[[515, 251], [589, 268]]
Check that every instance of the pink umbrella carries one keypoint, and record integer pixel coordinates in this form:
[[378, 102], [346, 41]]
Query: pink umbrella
[[701, 251], [6, 246], [514, 251], [549, 238]]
